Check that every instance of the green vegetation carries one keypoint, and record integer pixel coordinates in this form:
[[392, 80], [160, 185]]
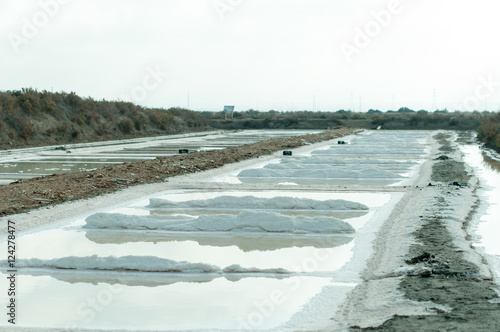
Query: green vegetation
[[30, 117], [489, 131], [404, 118]]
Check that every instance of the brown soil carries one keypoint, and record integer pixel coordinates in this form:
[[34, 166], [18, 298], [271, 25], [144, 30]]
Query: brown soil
[[34, 193]]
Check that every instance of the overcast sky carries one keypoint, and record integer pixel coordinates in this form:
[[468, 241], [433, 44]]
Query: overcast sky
[[261, 54]]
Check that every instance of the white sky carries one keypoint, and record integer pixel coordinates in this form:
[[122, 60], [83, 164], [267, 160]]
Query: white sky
[[261, 54]]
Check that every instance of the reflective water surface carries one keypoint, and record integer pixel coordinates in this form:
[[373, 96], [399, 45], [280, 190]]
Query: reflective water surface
[[255, 299], [486, 225]]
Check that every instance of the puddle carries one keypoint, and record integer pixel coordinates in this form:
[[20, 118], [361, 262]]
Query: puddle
[[256, 303], [485, 224], [34, 162], [79, 282], [334, 252]]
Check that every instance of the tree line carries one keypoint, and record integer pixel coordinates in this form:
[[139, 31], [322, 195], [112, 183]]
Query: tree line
[[31, 117]]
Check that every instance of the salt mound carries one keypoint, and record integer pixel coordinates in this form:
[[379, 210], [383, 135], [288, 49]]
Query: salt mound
[[235, 268], [357, 150], [117, 220], [258, 203], [332, 173], [335, 168], [125, 263], [136, 263], [249, 221], [339, 168], [344, 161]]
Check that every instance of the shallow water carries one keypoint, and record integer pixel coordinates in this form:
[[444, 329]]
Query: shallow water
[[123, 299], [28, 163], [372, 159], [485, 225], [177, 304], [261, 299]]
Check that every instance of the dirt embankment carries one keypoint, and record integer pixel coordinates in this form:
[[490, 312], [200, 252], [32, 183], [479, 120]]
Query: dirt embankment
[[30, 194], [443, 275]]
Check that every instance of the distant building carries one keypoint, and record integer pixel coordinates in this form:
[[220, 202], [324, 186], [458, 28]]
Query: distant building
[[228, 111]]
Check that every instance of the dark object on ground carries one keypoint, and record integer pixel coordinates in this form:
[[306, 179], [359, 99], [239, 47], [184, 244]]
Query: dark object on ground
[[442, 157], [287, 153], [425, 257], [182, 151], [341, 142]]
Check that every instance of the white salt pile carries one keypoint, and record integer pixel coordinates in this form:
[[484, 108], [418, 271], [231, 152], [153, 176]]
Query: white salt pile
[[333, 173], [125, 263], [370, 150], [248, 221], [259, 203], [135, 263]]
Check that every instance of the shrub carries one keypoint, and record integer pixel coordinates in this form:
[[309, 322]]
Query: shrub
[[62, 127], [80, 119], [73, 100], [102, 129], [48, 105], [28, 130], [126, 126], [93, 116], [140, 121]]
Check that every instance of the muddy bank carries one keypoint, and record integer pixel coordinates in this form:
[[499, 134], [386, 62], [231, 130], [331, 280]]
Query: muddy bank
[[34, 193], [439, 266]]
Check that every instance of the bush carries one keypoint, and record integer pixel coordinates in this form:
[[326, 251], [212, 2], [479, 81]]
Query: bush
[[126, 126], [140, 121], [102, 129], [28, 130], [62, 127]]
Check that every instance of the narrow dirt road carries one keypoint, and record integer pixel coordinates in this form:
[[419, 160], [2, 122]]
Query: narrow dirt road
[[34, 193]]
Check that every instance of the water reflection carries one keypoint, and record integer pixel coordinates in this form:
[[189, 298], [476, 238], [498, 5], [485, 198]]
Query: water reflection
[[121, 278], [485, 225], [216, 304], [32, 162], [245, 243], [490, 163]]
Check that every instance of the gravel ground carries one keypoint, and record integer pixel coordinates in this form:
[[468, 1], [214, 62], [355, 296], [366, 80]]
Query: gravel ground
[[34, 193]]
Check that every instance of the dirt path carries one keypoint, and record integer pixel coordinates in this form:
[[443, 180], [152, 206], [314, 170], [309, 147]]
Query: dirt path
[[441, 283], [34, 193], [445, 275]]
